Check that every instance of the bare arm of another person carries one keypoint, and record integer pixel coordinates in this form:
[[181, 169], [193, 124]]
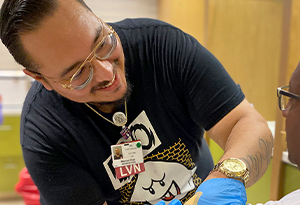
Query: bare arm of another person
[[243, 133]]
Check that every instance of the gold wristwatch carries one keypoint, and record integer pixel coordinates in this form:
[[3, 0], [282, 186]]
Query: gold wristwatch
[[233, 168]]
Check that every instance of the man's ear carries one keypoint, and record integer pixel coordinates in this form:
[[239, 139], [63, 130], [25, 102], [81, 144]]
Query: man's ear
[[38, 77]]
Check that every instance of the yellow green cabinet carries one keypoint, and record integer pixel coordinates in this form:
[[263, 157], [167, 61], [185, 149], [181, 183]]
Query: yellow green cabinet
[[11, 160]]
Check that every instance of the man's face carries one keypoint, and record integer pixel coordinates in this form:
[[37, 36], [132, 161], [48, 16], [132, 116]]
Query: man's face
[[117, 151], [66, 39], [292, 116]]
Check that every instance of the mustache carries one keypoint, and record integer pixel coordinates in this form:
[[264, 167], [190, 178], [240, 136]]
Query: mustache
[[118, 102], [106, 82]]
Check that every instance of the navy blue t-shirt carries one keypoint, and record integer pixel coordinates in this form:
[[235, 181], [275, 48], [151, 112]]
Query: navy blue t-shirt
[[179, 90]]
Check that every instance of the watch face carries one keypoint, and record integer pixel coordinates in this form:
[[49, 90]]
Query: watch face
[[234, 165]]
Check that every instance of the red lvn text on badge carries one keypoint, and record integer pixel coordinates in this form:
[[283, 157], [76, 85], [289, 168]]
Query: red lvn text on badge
[[128, 170]]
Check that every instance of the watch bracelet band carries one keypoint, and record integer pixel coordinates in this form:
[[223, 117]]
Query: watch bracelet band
[[244, 179]]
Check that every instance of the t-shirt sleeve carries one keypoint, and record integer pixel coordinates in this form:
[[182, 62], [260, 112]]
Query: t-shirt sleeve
[[198, 77]]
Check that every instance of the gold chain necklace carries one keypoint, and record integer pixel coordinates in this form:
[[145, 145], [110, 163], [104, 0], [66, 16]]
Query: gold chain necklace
[[119, 119]]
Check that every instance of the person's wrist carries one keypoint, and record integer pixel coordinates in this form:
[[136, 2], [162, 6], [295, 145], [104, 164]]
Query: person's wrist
[[233, 168], [217, 174]]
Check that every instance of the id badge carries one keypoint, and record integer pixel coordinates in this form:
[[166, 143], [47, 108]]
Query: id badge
[[128, 158]]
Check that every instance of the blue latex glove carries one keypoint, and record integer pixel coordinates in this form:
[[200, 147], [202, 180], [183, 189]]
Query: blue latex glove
[[173, 202], [218, 191], [222, 191]]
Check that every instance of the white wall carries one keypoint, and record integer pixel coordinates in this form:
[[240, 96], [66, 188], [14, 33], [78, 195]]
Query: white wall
[[115, 10]]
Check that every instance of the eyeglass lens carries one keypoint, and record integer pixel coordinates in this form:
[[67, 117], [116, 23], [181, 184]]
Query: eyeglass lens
[[103, 51], [82, 76], [285, 101]]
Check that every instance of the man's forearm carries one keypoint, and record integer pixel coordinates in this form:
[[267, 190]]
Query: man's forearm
[[257, 150], [244, 134], [251, 144]]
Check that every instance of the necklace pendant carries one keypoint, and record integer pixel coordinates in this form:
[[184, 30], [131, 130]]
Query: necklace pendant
[[125, 132], [119, 119]]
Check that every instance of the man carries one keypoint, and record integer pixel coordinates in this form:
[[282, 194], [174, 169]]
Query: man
[[139, 82], [118, 155], [289, 104]]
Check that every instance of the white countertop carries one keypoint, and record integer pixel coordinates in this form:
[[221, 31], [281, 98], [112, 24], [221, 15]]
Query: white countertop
[[12, 109], [14, 85], [285, 159]]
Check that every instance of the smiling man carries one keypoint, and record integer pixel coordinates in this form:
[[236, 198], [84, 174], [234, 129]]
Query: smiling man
[[141, 83], [69, 36]]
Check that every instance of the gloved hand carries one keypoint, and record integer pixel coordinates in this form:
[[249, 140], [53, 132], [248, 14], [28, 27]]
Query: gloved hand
[[222, 191], [173, 202], [218, 191]]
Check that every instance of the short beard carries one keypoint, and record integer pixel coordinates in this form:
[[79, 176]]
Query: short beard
[[119, 102]]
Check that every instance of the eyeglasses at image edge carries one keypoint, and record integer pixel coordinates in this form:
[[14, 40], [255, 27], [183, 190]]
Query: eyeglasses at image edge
[[281, 91]]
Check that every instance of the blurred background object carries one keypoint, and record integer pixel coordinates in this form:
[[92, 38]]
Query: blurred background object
[[27, 189]]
